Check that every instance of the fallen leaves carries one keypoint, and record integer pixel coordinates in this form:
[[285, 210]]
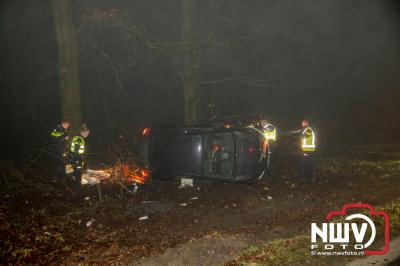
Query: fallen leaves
[[118, 229]]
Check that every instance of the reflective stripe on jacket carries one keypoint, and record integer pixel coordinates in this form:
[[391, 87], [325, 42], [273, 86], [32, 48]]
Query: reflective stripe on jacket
[[270, 132], [308, 140], [78, 145], [58, 132]]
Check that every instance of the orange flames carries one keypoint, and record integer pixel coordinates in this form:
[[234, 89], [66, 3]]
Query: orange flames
[[140, 175]]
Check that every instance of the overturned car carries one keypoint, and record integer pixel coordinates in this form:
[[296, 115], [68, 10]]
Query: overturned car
[[227, 154]]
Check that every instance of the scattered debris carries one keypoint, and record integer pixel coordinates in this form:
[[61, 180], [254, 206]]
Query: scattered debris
[[186, 182], [123, 221], [93, 177], [194, 198], [183, 204], [132, 188], [89, 223]]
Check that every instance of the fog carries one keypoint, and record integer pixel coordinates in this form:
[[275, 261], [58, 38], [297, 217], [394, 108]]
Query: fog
[[335, 62]]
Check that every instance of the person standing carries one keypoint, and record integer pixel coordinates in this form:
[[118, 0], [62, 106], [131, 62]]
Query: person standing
[[77, 154], [269, 132], [59, 148], [308, 148]]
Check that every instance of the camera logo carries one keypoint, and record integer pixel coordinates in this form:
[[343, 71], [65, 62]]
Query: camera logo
[[353, 235]]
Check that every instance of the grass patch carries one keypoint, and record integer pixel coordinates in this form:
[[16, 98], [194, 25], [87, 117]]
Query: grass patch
[[296, 251], [393, 210], [343, 167], [292, 251]]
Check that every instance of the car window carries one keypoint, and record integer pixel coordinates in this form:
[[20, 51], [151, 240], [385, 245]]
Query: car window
[[218, 155]]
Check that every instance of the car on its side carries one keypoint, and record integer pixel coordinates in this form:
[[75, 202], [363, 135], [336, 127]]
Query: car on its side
[[227, 154]]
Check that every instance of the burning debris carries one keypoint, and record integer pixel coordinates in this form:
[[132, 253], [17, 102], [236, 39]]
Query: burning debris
[[119, 173], [138, 175]]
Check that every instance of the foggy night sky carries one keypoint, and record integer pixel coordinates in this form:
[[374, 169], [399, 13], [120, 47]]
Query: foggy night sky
[[339, 61]]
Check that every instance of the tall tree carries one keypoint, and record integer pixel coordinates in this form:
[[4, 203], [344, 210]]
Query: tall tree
[[190, 63], [68, 65]]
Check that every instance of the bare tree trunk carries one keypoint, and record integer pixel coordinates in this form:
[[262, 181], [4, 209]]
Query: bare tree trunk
[[190, 64], [68, 67], [15, 97]]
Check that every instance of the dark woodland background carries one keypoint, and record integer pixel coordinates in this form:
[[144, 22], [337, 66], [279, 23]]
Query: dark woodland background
[[336, 62]]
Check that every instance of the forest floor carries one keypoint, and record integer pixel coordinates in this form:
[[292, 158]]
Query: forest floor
[[209, 224]]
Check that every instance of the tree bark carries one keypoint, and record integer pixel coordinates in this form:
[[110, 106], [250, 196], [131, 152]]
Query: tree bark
[[68, 65], [190, 64]]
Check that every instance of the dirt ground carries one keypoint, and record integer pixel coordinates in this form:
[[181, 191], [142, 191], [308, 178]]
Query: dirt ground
[[204, 225]]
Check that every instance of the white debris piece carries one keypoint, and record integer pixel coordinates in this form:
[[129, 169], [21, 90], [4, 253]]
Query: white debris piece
[[143, 218], [89, 223], [194, 198], [269, 197], [183, 204], [93, 177], [87, 179], [87, 198], [186, 182], [293, 185], [135, 188]]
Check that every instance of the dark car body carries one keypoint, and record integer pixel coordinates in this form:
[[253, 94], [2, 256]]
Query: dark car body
[[234, 154]]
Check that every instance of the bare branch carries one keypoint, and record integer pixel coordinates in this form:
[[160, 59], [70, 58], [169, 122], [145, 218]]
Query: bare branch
[[107, 57], [268, 14], [250, 81]]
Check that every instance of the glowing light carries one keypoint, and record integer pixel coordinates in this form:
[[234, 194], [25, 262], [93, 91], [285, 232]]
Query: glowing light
[[146, 131]]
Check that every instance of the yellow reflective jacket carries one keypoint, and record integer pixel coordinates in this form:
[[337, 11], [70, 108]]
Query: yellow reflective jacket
[[308, 140], [78, 145], [270, 132]]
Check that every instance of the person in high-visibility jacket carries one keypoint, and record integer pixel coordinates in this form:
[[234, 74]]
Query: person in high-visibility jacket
[[269, 132], [308, 148], [59, 149], [77, 153]]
